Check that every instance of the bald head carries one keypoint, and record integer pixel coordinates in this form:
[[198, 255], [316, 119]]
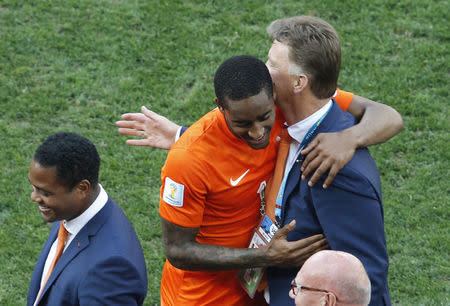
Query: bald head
[[338, 272]]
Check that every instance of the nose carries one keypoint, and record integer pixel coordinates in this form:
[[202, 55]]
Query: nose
[[256, 131], [34, 196]]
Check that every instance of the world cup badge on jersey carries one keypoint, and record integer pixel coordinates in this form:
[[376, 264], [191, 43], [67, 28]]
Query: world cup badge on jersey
[[173, 193]]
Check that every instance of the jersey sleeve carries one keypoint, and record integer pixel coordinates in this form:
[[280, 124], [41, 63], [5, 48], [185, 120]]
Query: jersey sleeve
[[343, 98], [183, 190]]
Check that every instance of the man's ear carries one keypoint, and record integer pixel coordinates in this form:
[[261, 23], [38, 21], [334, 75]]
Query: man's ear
[[300, 83], [218, 104], [331, 299], [83, 188]]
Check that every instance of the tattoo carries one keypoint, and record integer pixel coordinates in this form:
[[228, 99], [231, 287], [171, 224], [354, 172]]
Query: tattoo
[[184, 252]]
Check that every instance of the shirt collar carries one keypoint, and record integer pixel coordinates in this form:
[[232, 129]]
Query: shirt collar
[[298, 130], [75, 225]]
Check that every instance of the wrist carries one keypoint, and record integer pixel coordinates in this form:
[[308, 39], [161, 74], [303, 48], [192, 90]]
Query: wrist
[[268, 257], [353, 136]]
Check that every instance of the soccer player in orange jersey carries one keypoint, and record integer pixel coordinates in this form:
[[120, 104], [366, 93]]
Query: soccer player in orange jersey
[[211, 180]]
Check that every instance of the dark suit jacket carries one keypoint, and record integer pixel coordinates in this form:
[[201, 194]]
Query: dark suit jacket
[[349, 213], [104, 264]]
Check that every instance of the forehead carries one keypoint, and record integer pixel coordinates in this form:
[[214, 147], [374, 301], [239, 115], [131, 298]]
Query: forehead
[[43, 177], [250, 107], [278, 52]]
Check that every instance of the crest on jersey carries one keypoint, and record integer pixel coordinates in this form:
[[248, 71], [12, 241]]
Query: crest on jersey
[[173, 193]]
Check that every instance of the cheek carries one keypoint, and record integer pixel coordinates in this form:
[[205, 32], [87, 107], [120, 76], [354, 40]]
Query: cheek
[[275, 78], [278, 76], [306, 299], [239, 131], [269, 123]]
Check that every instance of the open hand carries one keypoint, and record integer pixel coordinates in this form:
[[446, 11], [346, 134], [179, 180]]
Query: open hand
[[154, 130]]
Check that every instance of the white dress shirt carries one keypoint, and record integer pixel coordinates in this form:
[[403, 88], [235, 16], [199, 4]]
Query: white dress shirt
[[74, 226], [298, 131]]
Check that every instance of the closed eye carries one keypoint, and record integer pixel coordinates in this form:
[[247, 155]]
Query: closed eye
[[265, 116], [242, 124]]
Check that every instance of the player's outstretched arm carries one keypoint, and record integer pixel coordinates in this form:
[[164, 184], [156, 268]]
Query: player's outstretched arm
[[332, 151], [154, 130], [185, 253]]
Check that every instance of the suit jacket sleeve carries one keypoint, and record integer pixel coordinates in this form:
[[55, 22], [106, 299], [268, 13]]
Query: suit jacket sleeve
[[353, 222], [114, 281]]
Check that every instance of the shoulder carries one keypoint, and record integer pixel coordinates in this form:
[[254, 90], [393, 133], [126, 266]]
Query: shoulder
[[359, 176], [337, 120], [202, 128], [116, 235], [197, 141]]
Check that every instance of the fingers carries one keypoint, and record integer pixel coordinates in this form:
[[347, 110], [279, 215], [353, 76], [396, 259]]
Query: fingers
[[308, 165], [311, 152], [133, 125], [131, 132], [331, 175], [310, 146], [324, 166], [133, 117], [303, 252], [308, 241], [126, 124], [150, 114], [138, 142], [282, 232]]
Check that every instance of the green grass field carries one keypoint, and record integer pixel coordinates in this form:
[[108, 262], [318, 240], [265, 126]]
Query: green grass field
[[78, 65]]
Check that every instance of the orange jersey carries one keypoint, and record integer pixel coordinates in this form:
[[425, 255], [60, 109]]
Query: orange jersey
[[343, 98], [211, 180]]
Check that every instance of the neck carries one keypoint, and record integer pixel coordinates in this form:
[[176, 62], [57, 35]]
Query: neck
[[91, 197], [301, 106], [93, 194]]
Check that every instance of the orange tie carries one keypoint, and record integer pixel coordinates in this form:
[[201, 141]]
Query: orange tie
[[273, 186], [62, 237]]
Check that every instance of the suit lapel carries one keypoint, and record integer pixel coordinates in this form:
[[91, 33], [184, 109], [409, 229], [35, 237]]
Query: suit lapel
[[35, 283], [79, 243], [294, 176]]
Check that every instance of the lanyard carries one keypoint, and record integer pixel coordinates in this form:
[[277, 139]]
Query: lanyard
[[279, 205]]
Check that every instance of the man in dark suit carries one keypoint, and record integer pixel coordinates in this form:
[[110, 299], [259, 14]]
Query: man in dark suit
[[92, 255], [306, 56]]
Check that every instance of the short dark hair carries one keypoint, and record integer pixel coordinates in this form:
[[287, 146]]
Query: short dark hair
[[314, 47], [241, 77], [74, 156]]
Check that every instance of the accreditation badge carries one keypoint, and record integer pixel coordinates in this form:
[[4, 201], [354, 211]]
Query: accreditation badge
[[251, 277]]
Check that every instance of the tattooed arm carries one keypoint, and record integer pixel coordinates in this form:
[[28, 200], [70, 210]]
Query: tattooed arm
[[185, 253]]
